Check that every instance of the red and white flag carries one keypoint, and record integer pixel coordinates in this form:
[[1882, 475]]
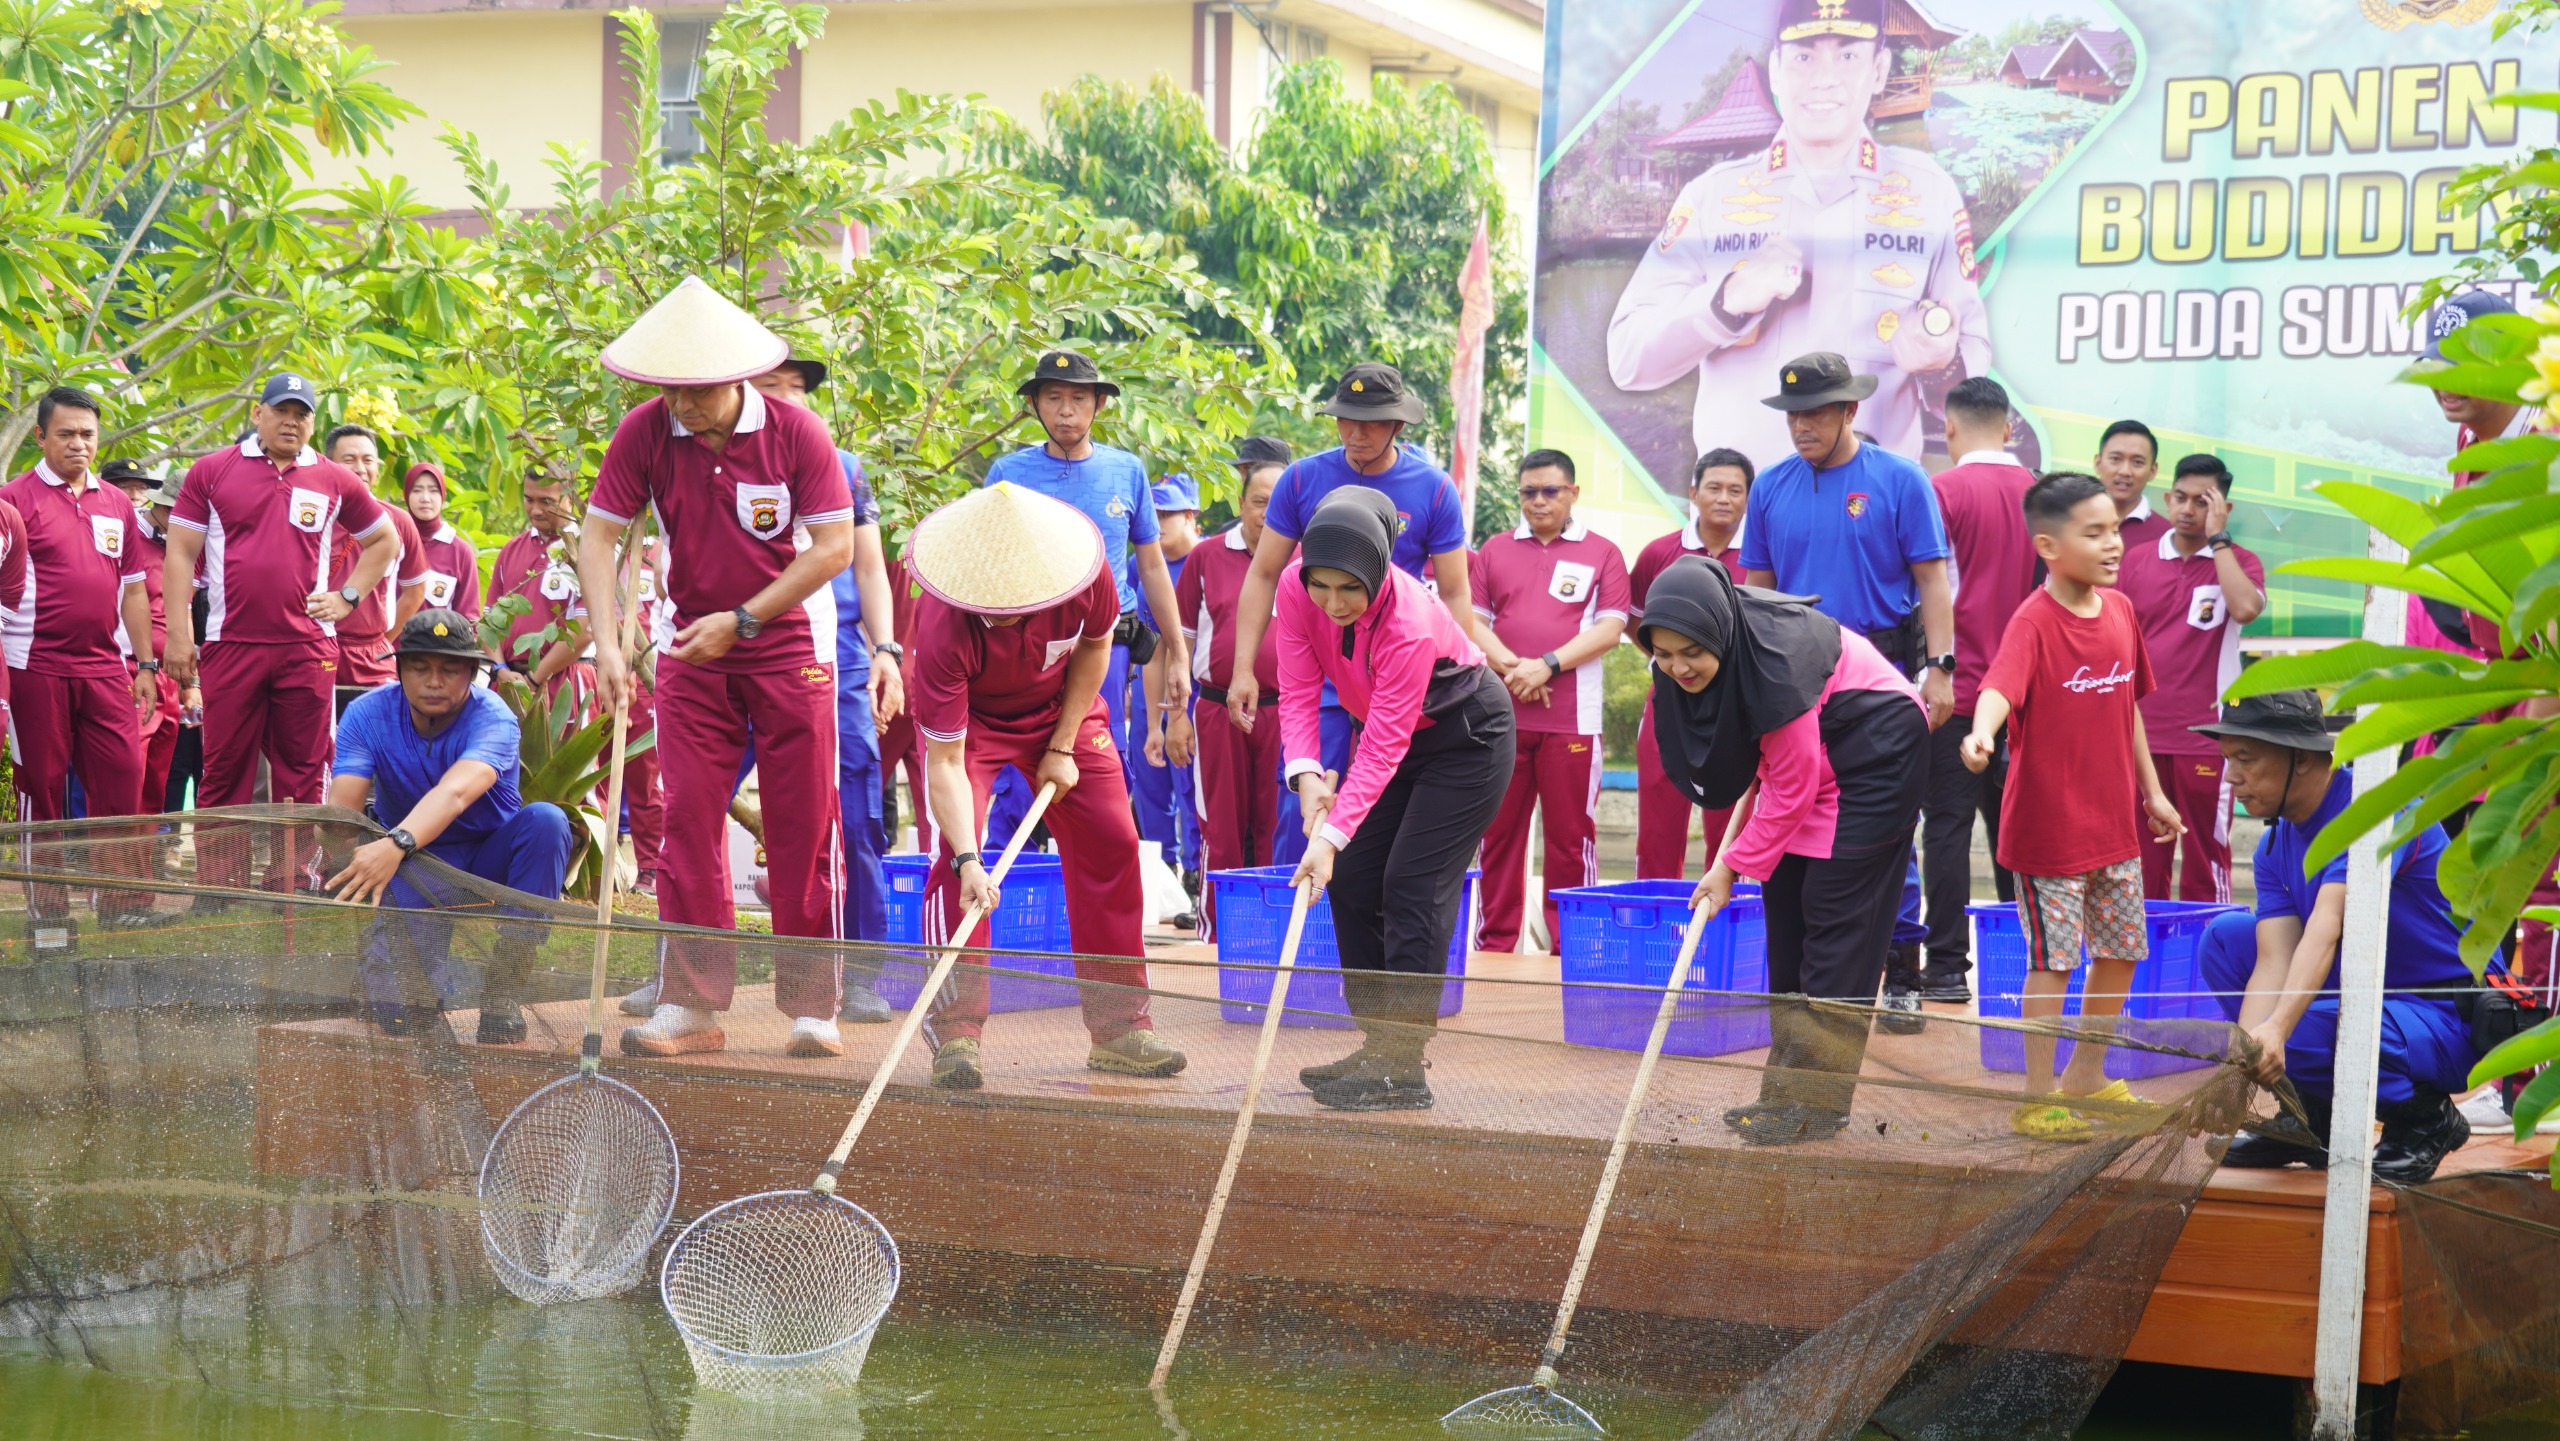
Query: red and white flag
[[1466, 374]]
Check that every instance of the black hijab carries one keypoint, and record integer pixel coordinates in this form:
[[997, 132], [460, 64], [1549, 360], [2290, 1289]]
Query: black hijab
[[1776, 652], [1352, 531]]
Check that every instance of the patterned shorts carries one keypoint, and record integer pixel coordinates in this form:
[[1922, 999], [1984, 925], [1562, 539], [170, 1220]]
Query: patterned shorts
[[2101, 909]]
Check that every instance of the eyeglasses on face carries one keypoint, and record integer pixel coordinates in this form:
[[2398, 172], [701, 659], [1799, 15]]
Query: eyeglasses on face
[[1544, 492]]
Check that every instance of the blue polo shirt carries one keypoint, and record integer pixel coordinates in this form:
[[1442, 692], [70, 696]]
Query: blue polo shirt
[[377, 740], [1109, 486], [853, 657], [2424, 947], [1849, 534], [1432, 520]]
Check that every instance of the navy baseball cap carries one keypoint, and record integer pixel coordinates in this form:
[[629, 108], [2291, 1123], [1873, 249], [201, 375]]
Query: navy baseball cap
[[2458, 310], [289, 386], [1176, 492]]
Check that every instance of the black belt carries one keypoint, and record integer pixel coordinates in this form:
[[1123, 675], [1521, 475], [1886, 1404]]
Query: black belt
[[1217, 695]]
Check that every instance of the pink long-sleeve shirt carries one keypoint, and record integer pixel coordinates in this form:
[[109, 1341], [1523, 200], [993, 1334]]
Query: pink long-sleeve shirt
[[1396, 643], [1796, 800]]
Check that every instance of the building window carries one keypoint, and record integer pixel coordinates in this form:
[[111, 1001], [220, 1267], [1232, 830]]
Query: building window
[[1486, 110], [1286, 44], [680, 46]]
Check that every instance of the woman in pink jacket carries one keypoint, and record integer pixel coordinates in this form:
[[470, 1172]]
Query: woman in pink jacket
[[1390, 848], [1766, 705]]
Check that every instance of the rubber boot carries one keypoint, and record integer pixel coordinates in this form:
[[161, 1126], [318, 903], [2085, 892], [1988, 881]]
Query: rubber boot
[[502, 992], [2416, 1137]]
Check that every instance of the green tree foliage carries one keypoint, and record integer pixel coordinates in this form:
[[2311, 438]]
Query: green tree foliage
[[1345, 221], [971, 270], [164, 250]]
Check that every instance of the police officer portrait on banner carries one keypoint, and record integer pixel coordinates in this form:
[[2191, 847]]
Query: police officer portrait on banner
[[1827, 240]]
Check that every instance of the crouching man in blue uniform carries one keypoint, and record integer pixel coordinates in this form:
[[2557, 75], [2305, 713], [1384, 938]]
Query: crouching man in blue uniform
[[434, 757], [2275, 973]]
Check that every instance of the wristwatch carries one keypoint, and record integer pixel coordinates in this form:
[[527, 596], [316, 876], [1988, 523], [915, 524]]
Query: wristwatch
[[350, 594], [748, 626], [1945, 662], [967, 858], [2219, 539], [1553, 665], [151, 665], [407, 843], [891, 649]]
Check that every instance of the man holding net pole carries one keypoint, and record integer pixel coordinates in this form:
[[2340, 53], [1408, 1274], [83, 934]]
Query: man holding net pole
[[757, 521], [1013, 642]]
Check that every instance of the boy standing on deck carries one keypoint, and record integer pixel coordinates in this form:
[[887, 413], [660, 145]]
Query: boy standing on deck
[[2070, 671]]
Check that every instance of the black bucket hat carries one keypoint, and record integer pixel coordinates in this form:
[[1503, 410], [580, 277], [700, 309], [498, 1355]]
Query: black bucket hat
[[118, 472], [1071, 366], [813, 373], [1373, 390], [2283, 718], [1810, 382], [442, 632], [1262, 450]]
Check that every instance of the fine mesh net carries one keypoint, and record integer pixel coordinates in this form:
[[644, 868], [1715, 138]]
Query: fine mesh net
[[778, 1294], [578, 1183], [218, 1170], [1522, 1413]]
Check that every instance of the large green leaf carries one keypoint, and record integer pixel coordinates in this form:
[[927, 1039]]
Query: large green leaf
[[2537, 1047]]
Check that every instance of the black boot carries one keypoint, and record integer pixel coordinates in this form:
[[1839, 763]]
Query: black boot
[[502, 993], [2416, 1137], [1944, 981], [1314, 1076], [1902, 993], [2285, 1141], [1388, 1078]]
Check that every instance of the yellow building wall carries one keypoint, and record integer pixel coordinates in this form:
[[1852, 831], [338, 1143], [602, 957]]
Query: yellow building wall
[[519, 81], [1012, 57]]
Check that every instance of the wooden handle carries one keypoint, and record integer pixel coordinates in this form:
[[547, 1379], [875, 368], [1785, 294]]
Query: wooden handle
[[825, 1185], [591, 1046], [1618, 1150], [1235, 1143]]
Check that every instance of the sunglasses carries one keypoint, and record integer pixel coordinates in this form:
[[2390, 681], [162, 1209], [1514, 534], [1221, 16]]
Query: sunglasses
[[1544, 492]]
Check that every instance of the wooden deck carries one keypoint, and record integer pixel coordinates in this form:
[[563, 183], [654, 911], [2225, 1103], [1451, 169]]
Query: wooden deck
[[1099, 1178]]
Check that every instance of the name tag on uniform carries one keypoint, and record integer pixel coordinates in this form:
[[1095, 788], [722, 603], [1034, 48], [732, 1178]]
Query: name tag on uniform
[[307, 509], [107, 531], [2206, 609], [558, 583], [439, 588], [764, 510], [1571, 582], [1059, 650]]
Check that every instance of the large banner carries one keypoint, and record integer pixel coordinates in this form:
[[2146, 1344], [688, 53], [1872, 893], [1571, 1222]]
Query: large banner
[[2204, 215]]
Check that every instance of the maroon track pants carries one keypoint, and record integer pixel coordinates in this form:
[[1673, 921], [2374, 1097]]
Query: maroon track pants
[[702, 721], [1663, 815], [1236, 782], [1558, 773], [1098, 851], [274, 701], [63, 724], [2195, 787]]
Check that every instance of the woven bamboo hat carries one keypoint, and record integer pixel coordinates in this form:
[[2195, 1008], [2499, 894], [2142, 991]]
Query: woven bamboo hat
[[1005, 550], [695, 336]]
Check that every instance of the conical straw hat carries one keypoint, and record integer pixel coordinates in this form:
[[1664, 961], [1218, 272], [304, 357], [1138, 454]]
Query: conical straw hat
[[695, 336], [1005, 550]]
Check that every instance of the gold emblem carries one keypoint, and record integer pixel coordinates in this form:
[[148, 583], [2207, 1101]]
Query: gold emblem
[[767, 514], [1891, 273], [1887, 324], [1791, 377], [1893, 217], [1751, 195], [1356, 386], [440, 628], [1062, 362], [1895, 180]]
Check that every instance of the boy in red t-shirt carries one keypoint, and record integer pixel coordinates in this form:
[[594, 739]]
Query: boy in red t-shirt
[[2067, 680]]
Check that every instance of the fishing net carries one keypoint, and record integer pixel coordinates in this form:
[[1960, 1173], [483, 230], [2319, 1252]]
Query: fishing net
[[577, 1185], [1522, 1413], [778, 1294], [228, 1193]]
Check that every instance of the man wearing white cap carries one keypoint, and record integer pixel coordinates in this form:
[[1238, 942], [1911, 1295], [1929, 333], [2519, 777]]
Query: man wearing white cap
[[757, 520], [1012, 644]]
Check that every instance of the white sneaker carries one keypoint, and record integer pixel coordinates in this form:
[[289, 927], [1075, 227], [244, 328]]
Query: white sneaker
[[2487, 1111], [675, 1031], [642, 1001], [813, 1036]]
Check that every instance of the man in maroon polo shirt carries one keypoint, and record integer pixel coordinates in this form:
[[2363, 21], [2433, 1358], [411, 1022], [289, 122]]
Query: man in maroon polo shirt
[[75, 705], [1554, 598], [364, 637], [756, 519], [1238, 770], [540, 564], [451, 578], [150, 546], [1982, 499], [2128, 457], [2194, 590], [260, 516], [1719, 495]]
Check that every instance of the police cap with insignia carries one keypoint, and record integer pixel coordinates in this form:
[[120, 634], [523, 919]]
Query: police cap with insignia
[[2456, 311], [1810, 382], [1845, 19], [1373, 390], [289, 389], [436, 631], [119, 472], [1071, 366]]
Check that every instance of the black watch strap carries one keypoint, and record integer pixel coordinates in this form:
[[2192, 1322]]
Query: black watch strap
[[748, 626], [967, 858], [407, 843], [2220, 539], [1552, 664]]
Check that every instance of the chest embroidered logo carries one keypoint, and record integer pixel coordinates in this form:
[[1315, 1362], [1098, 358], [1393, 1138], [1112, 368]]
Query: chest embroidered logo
[[2082, 682], [766, 514], [1857, 504]]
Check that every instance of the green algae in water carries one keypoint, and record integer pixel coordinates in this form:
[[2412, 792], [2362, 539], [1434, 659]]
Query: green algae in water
[[615, 1369]]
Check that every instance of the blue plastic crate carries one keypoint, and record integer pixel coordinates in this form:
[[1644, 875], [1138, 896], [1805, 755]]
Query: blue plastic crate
[[2167, 987], [1032, 918], [1253, 921], [1628, 934]]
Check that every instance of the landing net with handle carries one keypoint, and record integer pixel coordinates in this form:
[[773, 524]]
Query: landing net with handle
[[219, 1173], [581, 1179]]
